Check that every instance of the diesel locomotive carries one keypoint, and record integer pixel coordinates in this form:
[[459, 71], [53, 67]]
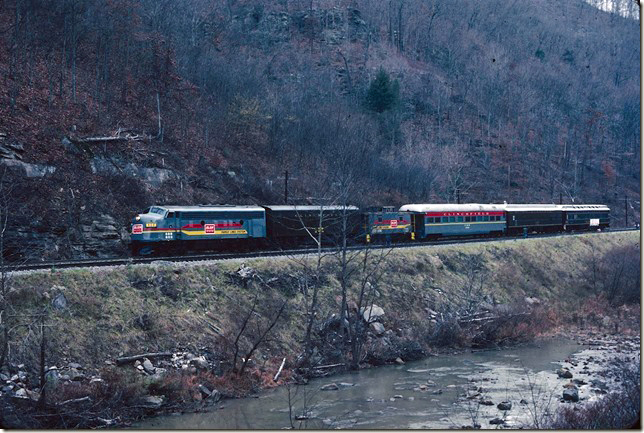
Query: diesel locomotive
[[247, 228]]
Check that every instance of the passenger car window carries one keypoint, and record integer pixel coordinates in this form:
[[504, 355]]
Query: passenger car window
[[460, 219]]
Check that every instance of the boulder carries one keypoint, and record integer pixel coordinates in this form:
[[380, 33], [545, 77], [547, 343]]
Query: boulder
[[377, 327], [29, 170], [496, 421], [11, 150], [571, 394], [346, 384], [215, 395], [532, 301], [329, 387], [199, 362], [399, 361], [486, 402], [372, 314], [21, 393], [564, 373], [204, 390], [504, 405], [75, 365], [76, 375], [59, 302], [152, 401], [147, 366]]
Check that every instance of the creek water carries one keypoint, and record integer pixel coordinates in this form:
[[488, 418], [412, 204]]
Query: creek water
[[443, 391]]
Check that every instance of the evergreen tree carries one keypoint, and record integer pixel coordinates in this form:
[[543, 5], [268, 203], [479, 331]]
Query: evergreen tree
[[383, 93]]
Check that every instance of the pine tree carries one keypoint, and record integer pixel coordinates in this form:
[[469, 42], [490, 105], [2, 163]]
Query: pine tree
[[383, 93]]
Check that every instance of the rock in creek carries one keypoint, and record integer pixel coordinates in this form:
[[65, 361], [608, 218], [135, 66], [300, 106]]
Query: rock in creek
[[329, 387], [571, 394], [496, 421], [504, 405], [564, 373]]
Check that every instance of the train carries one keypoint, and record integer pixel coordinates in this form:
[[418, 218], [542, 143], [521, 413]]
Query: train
[[178, 229]]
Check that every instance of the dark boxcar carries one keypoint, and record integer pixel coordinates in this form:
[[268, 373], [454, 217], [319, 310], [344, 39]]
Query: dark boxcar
[[206, 225], [291, 225], [436, 220], [586, 216], [386, 224], [534, 217]]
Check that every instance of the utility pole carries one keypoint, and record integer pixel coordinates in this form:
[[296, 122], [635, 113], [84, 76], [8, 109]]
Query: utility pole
[[560, 198], [458, 196], [625, 210], [285, 186]]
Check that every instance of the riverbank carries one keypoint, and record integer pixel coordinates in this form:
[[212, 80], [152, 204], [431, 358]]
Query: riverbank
[[194, 324], [516, 387]]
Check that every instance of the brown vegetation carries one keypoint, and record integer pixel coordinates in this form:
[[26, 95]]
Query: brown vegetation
[[140, 102]]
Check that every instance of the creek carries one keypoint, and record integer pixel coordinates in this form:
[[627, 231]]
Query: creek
[[438, 392]]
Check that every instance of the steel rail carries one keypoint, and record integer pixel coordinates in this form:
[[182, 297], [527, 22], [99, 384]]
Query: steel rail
[[116, 261]]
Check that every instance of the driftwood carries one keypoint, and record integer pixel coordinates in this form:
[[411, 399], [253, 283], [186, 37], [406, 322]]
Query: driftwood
[[118, 135], [328, 366], [280, 370], [75, 400], [126, 359]]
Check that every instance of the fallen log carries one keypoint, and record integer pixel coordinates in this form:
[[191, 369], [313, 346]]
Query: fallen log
[[127, 359], [320, 367], [75, 400]]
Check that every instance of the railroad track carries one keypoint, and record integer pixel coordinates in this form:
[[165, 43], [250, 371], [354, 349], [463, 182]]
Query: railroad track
[[83, 263]]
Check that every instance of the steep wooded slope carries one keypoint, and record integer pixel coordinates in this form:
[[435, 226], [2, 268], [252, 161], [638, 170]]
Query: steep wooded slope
[[516, 101]]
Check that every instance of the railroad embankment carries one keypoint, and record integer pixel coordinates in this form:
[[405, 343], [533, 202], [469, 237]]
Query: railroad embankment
[[122, 342]]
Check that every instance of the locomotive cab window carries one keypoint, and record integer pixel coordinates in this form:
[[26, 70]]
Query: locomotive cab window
[[170, 215]]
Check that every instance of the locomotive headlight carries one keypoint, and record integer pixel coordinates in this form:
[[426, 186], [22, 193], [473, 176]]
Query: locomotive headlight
[[150, 224], [138, 218]]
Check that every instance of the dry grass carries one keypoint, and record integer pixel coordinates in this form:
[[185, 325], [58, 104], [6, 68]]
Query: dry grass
[[141, 308]]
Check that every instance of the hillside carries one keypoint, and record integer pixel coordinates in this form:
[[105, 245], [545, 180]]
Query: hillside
[[429, 299], [209, 102]]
